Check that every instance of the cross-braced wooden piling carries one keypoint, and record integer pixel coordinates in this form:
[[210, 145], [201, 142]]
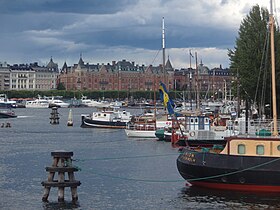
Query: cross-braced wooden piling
[[62, 163], [54, 119]]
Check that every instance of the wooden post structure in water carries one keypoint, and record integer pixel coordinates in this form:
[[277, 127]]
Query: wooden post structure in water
[[54, 119], [62, 163]]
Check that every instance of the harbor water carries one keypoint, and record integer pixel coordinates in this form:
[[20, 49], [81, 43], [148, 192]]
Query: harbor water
[[116, 172]]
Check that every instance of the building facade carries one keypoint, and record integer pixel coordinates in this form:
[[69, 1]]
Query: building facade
[[4, 76], [121, 75], [29, 76]]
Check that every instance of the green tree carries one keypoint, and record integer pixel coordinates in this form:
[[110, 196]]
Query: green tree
[[250, 59], [60, 86]]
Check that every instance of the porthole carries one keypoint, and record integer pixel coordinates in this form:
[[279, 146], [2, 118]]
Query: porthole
[[278, 147]]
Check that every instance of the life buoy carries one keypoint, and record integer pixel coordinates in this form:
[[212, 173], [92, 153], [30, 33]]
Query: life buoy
[[192, 134]]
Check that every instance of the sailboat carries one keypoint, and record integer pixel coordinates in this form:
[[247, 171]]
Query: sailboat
[[245, 163], [147, 126], [70, 118]]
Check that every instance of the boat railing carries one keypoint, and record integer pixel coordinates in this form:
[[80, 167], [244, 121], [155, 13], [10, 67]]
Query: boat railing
[[256, 125]]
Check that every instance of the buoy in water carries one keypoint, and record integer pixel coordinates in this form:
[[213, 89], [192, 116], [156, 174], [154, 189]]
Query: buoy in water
[[70, 118]]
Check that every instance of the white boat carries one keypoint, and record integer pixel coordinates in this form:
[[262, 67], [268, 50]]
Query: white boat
[[142, 129], [4, 100], [93, 103], [106, 119], [145, 126], [37, 103], [58, 103]]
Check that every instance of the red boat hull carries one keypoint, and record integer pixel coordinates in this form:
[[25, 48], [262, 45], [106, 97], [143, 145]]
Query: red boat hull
[[238, 187]]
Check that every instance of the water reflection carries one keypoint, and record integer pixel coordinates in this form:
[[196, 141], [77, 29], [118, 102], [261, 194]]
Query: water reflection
[[213, 199], [61, 205]]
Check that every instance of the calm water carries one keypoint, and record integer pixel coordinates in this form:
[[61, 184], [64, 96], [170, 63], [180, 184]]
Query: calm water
[[116, 172]]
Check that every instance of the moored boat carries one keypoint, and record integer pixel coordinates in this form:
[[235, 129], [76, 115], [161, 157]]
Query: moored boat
[[37, 103], [143, 128], [6, 111], [246, 163], [93, 103], [106, 119], [54, 102]]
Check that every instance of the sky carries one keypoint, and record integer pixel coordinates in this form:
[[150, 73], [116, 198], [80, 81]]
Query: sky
[[102, 31]]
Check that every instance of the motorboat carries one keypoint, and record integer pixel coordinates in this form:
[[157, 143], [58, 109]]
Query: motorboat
[[106, 118], [37, 103], [6, 111], [58, 103], [93, 103]]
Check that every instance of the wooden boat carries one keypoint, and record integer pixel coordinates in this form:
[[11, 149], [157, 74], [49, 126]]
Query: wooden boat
[[142, 129], [246, 163], [106, 118]]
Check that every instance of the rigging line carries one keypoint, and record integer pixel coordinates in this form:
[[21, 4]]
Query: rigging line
[[261, 65], [265, 67], [126, 157], [156, 56]]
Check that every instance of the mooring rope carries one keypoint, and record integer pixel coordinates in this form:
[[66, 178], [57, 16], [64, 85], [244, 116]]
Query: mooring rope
[[234, 172], [125, 157], [95, 171]]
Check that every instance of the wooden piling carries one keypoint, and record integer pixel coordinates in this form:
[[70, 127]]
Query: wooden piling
[[54, 119], [62, 163]]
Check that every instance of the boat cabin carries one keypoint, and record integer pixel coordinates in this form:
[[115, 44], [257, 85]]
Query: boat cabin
[[255, 146], [196, 122]]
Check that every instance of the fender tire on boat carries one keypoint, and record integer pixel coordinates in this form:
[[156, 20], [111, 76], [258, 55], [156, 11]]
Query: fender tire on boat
[[192, 134]]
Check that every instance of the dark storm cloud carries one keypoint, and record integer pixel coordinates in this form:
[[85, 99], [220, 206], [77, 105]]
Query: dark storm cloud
[[65, 6], [117, 29]]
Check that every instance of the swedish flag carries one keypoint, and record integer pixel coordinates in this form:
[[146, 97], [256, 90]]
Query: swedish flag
[[167, 102]]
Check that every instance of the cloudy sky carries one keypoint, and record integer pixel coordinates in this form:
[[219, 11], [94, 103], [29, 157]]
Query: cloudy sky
[[107, 30]]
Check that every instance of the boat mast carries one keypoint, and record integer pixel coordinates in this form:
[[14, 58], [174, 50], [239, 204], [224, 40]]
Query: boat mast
[[163, 54], [197, 82], [271, 24]]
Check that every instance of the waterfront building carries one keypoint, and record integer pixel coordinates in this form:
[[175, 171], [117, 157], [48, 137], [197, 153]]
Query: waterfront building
[[34, 77], [121, 75], [118, 75], [4, 76], [210, 83]]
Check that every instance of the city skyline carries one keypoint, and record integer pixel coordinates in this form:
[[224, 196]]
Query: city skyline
[[106, 31]]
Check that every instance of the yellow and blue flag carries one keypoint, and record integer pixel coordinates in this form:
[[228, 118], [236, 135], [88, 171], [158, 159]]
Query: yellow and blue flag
[[167, 102]]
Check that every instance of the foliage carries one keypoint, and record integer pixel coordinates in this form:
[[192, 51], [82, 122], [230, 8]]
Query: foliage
[[246, 59], [250, 59], [61, 86]]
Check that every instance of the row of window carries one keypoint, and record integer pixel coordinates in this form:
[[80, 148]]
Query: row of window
[[259, 149]]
